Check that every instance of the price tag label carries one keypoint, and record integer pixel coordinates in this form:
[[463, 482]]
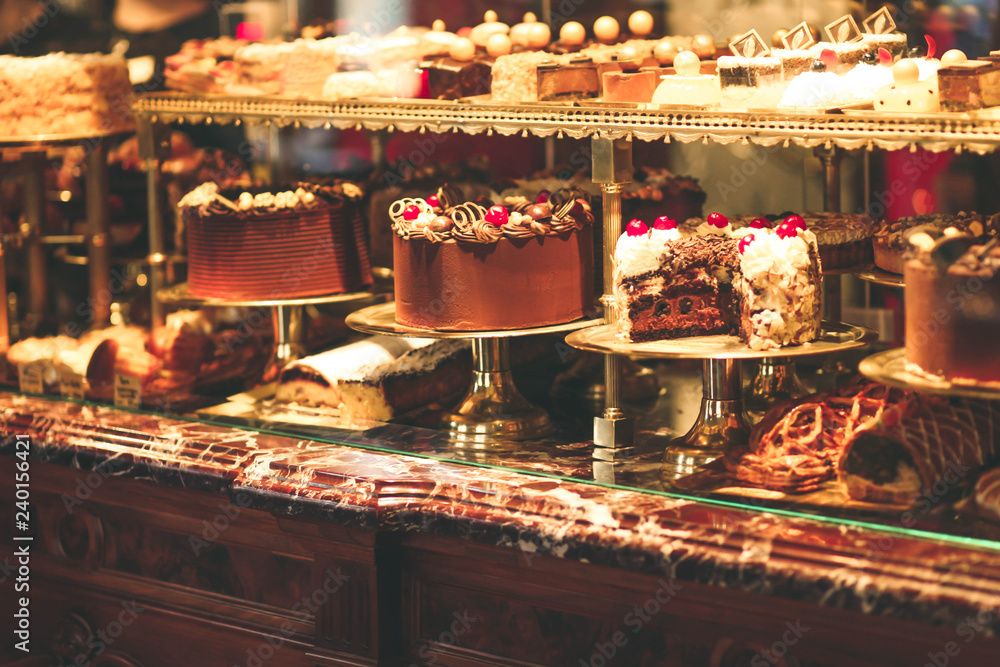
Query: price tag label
[[128, 391], [30, 376], [71, 386]]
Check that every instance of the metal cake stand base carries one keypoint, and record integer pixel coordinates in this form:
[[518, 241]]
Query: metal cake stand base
[[287, 318], [493, 411], [722, 421]]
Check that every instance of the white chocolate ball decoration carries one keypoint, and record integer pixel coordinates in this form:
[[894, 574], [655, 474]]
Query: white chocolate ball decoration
[[499, 45], [687, 63], [640, 23], [438, 26], [490, 17], [906, 71], [463, 49], [572, 33], [665, 52], [953, 57], [530, 17], [606, 29], [539, 35], [703, 46]]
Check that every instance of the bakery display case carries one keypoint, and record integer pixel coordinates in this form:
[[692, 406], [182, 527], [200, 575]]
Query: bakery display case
[[712, 459]]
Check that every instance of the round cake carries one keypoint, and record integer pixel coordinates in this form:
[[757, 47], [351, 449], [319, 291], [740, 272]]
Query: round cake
[[475, 266], [952, 307], [843, 239], [304, 242], [889, 244]]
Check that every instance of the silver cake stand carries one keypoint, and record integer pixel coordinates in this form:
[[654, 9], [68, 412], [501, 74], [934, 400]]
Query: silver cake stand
[[877, 276], [287, 316], [493, 410], [722, 420], [890, 367]]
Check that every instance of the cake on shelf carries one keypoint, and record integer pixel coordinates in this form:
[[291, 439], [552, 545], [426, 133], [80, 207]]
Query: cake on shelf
[[760, 284], [306, 241], [378, 378], [64, 93], [844, 240], [688, 86], [953, 306], [889, 244], [475, 266]]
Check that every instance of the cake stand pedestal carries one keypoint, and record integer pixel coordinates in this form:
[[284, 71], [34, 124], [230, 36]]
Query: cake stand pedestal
[[722, 420], [287, 317], [493, 410], [890, 367], [32, 154]]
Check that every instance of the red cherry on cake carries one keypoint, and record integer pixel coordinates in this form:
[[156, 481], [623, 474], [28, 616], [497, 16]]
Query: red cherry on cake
[[411, 213], [744, 242], [636, 228], [542, 197], [760, 223], [664, 222], [497, 215], [433, 201], [717, 220], [796, 221], [786, 231]]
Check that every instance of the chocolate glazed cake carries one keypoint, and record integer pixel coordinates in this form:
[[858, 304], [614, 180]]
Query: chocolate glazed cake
[[464, 267]]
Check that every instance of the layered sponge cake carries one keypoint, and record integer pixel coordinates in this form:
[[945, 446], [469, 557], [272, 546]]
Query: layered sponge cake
[[760, 284]]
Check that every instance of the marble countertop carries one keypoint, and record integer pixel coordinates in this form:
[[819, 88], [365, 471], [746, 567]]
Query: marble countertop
[[830, 563]]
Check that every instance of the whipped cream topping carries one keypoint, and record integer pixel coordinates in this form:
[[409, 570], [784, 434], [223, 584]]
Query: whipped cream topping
[[706, 229], [780, 289], [635, 255]]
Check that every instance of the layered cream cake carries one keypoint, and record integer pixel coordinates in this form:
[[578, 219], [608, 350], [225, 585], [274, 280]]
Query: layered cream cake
[[760, 284], [64, 93], [378, 378]]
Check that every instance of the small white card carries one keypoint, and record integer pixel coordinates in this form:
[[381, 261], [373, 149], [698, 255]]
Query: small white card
[[128, 391], [30, 377], [71, 385]]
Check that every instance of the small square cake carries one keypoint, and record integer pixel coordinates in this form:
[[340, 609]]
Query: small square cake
[[751, 83]]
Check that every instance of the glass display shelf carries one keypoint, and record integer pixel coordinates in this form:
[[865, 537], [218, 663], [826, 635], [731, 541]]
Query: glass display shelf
[[568, 455], [870, 130]]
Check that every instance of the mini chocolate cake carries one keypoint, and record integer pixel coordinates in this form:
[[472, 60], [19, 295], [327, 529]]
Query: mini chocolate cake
[[450, 79], [969, 85]]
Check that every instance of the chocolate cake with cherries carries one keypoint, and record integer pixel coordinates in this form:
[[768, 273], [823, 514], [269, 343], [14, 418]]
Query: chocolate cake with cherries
[[760, 284], [477, 266]]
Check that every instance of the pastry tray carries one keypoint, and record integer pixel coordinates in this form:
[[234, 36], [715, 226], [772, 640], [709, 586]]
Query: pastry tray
[[890, 367]]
